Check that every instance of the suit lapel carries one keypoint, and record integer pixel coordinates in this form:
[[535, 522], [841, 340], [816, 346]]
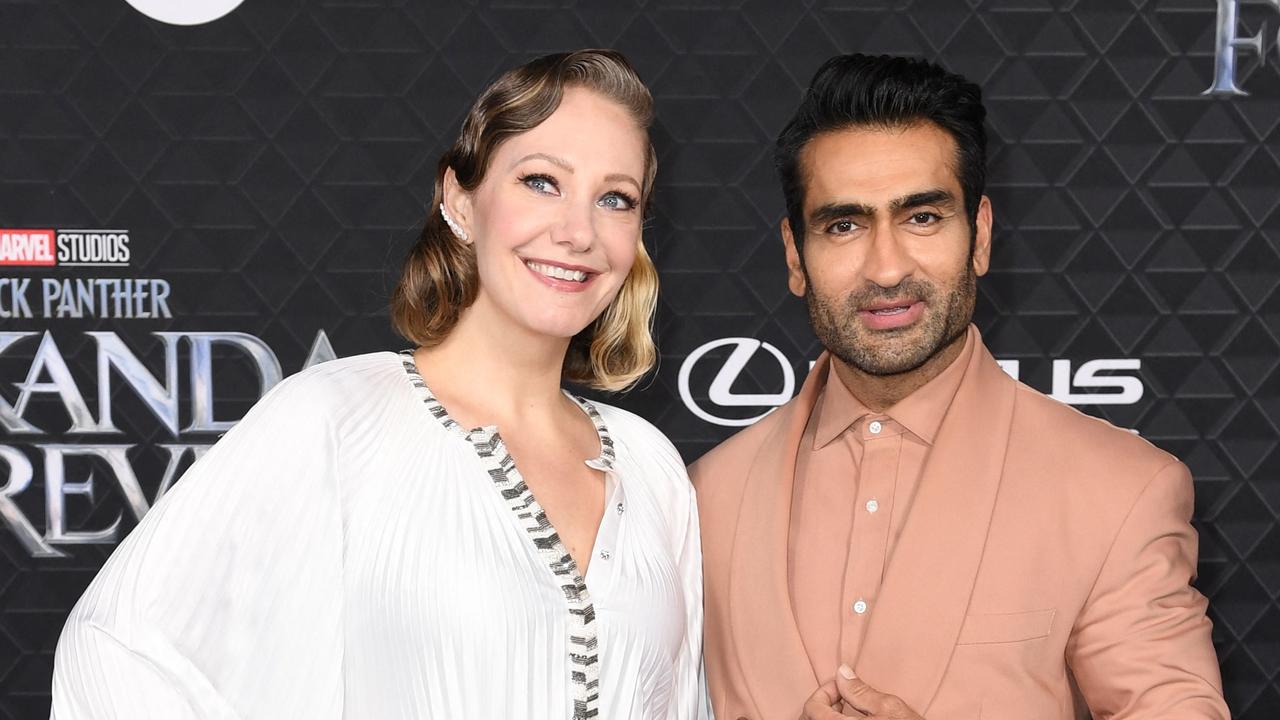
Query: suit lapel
[[930, 576], [773, 659]]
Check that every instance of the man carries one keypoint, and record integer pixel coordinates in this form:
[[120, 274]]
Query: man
[[916, 534]]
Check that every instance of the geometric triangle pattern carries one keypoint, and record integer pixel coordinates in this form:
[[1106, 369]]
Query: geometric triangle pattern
[[273, 167]]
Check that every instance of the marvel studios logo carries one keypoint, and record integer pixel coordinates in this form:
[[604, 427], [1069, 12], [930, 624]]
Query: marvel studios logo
[[65, 248]]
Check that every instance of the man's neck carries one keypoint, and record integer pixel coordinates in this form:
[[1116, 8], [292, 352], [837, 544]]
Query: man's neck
[[881, 392]]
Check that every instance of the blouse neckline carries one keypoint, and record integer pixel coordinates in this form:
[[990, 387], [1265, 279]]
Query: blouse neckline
[[581, 643], [605, 461]]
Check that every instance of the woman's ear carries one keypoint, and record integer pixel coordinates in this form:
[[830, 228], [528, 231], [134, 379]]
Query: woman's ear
[[456, 205]]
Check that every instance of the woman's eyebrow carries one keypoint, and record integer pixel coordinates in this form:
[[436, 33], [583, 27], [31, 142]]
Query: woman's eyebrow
[[623, 177], [557, 161]]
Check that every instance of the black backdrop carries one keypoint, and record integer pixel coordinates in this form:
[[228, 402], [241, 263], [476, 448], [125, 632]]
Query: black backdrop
[[271, 167]]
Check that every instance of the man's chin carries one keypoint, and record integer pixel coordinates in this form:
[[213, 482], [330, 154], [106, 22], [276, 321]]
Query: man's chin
[[891, 352], [890, 369], [880, 365]]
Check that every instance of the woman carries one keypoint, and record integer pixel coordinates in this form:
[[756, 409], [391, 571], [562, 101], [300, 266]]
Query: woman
[[366, 544]]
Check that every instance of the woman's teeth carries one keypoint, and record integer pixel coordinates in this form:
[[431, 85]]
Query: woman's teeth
[[558, 273]]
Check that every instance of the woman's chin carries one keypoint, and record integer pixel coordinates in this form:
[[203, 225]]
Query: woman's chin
[[558, 328]]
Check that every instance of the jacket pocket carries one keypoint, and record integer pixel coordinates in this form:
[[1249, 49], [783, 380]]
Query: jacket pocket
[[1006, 627]]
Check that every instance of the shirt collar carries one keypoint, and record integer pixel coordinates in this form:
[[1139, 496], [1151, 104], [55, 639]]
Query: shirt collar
[[921, 412]]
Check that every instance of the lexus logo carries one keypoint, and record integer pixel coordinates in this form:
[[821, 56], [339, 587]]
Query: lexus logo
[[720, 393], [1102, 381]]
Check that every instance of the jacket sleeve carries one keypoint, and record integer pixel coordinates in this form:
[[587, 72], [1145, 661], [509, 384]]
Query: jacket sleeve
[[225, 601], [1141, 646]]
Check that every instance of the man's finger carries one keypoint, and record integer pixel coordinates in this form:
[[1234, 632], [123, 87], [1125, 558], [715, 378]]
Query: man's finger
[[857, 694], [820, 705]]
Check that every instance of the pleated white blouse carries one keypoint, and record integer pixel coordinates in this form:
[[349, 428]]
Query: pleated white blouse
[[348, 551]]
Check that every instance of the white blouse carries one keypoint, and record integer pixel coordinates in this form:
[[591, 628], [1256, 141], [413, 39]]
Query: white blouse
[[349, 551]]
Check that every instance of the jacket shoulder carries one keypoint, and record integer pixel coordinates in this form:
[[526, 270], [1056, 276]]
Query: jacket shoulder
[[727, 463], [1090, 447]]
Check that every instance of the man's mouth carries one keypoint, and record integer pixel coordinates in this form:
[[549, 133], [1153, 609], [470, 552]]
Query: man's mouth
[[896, 307], [895, 310], [893, 315]]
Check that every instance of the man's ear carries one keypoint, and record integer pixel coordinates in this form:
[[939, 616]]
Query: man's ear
[[982, 238], [457, 202], [796, 280]]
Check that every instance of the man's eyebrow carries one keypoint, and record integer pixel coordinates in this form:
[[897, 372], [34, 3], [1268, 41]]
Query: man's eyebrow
[[557, 161], [833, 211], [936, 196]]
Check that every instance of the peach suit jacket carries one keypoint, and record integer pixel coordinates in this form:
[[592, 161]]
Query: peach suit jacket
[[1044, 565]]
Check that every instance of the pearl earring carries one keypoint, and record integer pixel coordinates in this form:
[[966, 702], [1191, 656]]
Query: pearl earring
[[453, 224]]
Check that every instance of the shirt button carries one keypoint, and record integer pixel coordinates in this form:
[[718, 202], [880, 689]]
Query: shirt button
[[875, 427], [873, 505], [619, 508], [860, 607], [604, 554]]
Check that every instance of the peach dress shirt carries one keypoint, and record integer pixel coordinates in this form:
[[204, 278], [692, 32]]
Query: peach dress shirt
[[856, 474]]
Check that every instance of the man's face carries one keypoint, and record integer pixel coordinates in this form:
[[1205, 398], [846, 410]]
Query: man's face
[[890, 263]]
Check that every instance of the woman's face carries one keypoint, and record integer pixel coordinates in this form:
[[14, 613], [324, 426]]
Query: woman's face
[[556, 222]]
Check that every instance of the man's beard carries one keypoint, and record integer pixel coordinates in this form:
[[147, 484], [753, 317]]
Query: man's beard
[[891, 352]]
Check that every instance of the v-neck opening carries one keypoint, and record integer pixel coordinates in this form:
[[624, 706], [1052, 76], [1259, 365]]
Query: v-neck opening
[[494, 456]]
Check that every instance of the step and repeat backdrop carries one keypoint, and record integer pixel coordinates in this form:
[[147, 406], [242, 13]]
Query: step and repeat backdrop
[[198, 199]]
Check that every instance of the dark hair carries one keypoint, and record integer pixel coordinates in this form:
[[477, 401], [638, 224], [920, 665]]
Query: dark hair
[[885, 91]]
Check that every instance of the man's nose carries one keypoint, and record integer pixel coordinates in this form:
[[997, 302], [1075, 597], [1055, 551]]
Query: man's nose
[[888, 262]]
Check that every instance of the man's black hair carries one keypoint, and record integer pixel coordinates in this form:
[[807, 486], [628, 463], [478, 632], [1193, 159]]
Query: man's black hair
[[852, 91]]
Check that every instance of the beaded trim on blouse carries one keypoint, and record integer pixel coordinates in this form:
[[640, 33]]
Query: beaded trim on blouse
[[582, 643]]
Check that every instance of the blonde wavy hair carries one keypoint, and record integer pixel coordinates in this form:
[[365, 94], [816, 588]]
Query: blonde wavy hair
[[439, 280]]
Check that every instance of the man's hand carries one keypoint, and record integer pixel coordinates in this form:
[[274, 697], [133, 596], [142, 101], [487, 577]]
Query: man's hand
[[856, 698]]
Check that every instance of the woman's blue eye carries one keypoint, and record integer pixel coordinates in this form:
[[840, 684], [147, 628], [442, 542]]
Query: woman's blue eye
[[617, 201], [539, 183]]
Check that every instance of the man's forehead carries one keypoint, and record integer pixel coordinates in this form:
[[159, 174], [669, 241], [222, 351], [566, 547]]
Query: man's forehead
[[874, 164]]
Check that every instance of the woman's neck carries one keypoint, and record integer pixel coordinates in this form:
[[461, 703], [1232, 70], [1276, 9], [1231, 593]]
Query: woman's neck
[[491, 371]]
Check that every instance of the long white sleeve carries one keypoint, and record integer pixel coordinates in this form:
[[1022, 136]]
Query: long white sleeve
[[691, 701], [226, 600]]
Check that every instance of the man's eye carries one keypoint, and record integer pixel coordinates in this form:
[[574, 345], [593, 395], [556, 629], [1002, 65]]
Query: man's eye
[[925, 218], [841, 226]]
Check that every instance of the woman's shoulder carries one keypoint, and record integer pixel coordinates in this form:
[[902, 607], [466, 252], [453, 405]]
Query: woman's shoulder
[[339, 389], [351, 374], [633, 430], [641, 445], [650, 465]]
